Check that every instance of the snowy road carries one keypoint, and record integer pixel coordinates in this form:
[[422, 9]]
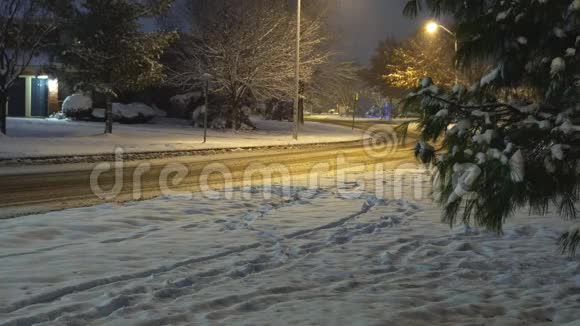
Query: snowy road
[[324, 256], [26, 190]]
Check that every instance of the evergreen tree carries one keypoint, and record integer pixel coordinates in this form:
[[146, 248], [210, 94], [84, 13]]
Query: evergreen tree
[[512, 139], [109, 52], [27, 27], [374, 76]]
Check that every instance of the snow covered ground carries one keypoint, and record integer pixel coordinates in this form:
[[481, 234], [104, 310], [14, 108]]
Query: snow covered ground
[[322, 256], [43, 137]]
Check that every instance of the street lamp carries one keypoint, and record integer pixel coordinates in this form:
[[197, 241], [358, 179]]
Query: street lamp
[[432, 27], [297, 72], [354, 107], [206, 78]]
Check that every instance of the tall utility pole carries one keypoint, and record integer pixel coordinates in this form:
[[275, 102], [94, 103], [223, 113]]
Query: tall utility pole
[[206, 77], [354, 107], [206, 91], [297, 97]]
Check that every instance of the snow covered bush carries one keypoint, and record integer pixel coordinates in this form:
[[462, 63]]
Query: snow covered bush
[[512, 139], [182, 105], [77, 107], [133, 113], [216, 113]]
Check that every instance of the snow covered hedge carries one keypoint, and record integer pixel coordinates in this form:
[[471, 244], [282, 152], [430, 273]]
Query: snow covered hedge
[[130, 113], [512, 139], [78, 107], [133, 113]]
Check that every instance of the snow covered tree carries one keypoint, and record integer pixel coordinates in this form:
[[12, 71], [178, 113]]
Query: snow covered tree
[[512, 139], [110, 53], [26, 27], [249, 49], [421, 55], [334, 84]]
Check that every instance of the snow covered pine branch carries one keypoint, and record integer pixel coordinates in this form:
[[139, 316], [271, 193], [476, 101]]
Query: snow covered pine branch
[[511, 140]]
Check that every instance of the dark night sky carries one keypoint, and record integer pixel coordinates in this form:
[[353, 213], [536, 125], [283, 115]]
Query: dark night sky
[[361, 24]]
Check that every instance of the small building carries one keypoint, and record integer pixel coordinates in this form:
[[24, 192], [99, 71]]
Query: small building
[[35, 92]]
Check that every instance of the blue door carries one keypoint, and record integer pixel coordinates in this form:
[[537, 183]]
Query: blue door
[[39, 100], [16, 99]]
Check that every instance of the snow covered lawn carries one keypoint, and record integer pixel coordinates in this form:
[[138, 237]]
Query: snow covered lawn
[[40, 137], [305, 257]]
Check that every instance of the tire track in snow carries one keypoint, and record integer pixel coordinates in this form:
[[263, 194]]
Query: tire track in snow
[[56, 294], [39, 251], [365, 209], [262, 300]]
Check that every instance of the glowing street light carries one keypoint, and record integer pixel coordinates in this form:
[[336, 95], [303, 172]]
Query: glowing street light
[[432, 27]]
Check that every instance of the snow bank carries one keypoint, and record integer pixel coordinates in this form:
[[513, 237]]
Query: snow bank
[[37, 137]]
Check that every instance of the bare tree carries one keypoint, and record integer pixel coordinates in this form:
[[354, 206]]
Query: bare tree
[[248, 48], [25, 26], [334, 84]]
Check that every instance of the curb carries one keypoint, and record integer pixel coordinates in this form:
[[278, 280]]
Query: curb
[[145, 155]]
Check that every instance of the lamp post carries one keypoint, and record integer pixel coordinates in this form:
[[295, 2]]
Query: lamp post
[[355, 104], [297, 72], [432, 28], [206, 78]]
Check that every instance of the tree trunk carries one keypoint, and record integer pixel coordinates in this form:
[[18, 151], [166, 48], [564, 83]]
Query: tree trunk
[[236, 118], [109, 116], [3, 109], [235, 113]]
